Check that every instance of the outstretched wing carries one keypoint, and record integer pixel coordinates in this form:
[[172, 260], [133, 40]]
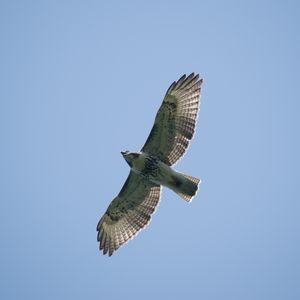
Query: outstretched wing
[[175, 121], [128, 213]]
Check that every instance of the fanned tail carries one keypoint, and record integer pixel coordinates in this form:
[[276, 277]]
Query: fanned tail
[[185, 186]]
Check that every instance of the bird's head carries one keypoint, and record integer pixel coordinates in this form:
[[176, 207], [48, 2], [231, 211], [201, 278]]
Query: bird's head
[[130, 156]]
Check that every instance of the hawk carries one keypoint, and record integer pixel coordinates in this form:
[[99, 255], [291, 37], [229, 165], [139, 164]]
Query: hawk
[[150, 169]]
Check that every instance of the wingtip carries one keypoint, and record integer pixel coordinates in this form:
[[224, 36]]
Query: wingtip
[[182, 77], [171, 87], [195, 76], [100, 247]]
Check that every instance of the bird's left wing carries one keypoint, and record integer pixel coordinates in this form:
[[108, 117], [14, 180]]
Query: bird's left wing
[[175, 120], [128, 213]]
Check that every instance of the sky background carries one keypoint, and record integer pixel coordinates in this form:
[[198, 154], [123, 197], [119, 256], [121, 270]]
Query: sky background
[[82, 81]]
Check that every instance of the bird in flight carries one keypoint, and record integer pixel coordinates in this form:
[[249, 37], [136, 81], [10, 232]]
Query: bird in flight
[[150, 169]]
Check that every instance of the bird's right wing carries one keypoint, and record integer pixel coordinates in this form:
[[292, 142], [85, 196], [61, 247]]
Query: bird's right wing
[[128, 213]]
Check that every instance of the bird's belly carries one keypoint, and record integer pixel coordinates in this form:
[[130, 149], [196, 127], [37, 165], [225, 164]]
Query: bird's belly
[[153, 170], [163, 175]]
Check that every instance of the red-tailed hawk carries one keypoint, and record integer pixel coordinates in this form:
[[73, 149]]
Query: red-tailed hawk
[[169, 138]]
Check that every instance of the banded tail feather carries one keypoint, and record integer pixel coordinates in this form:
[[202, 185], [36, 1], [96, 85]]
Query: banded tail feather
[[185, 186]]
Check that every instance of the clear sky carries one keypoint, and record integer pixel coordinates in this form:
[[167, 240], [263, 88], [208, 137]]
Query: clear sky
[[82, 81]]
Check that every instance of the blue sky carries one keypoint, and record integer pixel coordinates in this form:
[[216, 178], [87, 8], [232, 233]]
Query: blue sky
[[82, 81]]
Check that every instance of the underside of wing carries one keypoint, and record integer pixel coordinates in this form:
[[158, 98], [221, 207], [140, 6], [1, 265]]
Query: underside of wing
[[175, 121], [128, 213]]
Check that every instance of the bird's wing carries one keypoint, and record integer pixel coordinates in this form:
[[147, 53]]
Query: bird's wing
[[175, 121], [128, 213]]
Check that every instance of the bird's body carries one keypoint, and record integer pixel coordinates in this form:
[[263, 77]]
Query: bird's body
[[157, 172], [169, 138]]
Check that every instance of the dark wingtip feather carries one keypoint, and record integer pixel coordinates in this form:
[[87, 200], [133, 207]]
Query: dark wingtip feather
[[105, 249], [196, 77], [102, 240], [99, 225], [191, 75], [171, 87], [101, 246], [182, 78]]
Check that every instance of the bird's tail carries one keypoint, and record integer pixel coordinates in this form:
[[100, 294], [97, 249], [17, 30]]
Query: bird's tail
[[185, 186]]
